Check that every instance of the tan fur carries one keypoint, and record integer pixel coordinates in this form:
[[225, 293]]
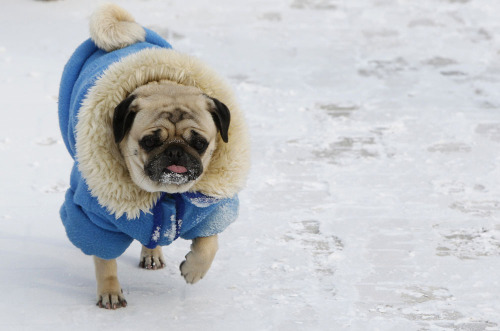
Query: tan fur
[[109, 291], [193, 269], [199, 259], [104, 167], [157, 107], [100, 161], [112, 27]]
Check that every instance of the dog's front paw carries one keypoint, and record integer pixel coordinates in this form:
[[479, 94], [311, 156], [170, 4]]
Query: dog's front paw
[[194, 267], [152, 258], [111, 300]]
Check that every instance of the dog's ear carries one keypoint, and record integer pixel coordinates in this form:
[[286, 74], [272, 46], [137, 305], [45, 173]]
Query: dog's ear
[[123, 118], [222, 117]]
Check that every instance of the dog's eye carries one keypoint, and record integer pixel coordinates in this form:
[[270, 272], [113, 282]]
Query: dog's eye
[[150, 142], [198, 142], [200, 145]]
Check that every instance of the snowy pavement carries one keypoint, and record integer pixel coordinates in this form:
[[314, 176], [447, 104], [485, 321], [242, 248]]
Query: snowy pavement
[[374, 197]]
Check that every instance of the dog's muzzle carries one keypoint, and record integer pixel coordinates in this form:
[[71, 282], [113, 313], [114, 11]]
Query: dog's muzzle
[[174, 165]]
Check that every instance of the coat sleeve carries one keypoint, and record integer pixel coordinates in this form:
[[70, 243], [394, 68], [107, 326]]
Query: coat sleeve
[[204, 216], [86, 227]]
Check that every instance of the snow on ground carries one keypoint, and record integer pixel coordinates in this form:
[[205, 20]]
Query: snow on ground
[[374, 197]]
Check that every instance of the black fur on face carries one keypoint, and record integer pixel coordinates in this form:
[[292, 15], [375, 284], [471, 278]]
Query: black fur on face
[[177, 155], [222, 118], [150, 142], [199, 143], [123, 118]]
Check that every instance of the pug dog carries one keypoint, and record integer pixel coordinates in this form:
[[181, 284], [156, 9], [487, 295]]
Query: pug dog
[[160, 148], [166, 133]]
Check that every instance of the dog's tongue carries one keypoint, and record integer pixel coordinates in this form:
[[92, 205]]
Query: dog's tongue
[[177, 169]]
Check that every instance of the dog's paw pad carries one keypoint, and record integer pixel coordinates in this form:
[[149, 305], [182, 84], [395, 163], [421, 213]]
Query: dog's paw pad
[[193, 271]]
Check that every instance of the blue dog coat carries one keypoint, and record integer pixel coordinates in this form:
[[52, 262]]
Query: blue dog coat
[[90, 225]]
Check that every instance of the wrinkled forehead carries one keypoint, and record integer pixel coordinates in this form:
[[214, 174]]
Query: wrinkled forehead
[[180, 112], [168, 101]]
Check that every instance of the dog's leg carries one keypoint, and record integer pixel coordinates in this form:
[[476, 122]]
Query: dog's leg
[[109, 291], [152, 258], [199, 260]]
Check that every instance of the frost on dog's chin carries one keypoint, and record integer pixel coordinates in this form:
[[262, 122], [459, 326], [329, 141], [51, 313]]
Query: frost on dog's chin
[[173, 178]]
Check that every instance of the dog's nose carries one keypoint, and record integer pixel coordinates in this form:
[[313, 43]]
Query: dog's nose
[[174, 154]]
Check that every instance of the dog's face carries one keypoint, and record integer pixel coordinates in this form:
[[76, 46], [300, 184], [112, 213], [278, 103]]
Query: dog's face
[[167, 133]]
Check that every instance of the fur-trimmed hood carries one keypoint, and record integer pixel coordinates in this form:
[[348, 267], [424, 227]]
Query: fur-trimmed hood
[[104, 70]]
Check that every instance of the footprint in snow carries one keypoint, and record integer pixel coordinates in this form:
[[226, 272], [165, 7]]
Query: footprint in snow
[[314, 4], [467, 244], [59, 187], [47, 141], [481, 208], [307, 233], [447, 148], [489, 130], [338, 110]]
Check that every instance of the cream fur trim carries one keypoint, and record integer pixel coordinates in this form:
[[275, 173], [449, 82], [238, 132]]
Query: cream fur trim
[[100, 161], [112, 27]]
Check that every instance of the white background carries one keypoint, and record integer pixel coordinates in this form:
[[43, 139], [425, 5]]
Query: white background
[[373, 201]]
